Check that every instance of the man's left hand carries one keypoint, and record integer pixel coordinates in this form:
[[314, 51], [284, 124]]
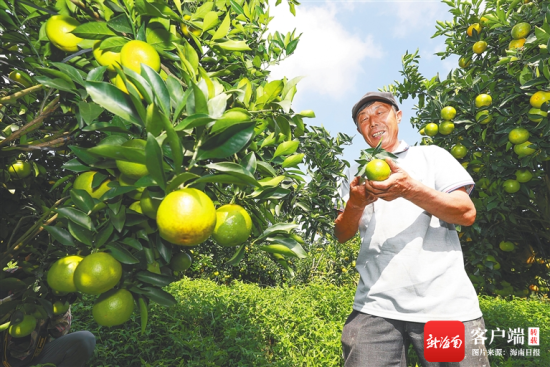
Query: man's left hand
[[397, 185]]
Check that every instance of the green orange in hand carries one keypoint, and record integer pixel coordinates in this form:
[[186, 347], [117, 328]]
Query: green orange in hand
[[377, 170]]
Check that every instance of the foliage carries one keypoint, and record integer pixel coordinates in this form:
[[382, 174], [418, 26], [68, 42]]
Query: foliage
[[510, 76], [210, 120], [245, 325]]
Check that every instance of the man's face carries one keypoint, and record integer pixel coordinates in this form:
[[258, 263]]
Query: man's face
[[380, 121]]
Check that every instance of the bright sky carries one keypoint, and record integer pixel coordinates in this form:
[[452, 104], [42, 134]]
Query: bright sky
[[351, 47]]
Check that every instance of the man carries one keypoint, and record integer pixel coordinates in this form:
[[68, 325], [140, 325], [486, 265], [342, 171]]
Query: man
[[49, 342], [410, 262]]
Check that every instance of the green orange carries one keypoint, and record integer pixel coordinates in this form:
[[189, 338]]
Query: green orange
[[448, 113], [539, 98], [60, 277], [459, 151], [464, 62], [180, 261], [521, 30], [377, 170], [106, 58], [518, 135], [134, 53], [58, 30], [186, 217], [60, 307], [511, 186], [133, 170], [84, 182], [484, 117], [97, 273], [113, 308], [524, 175], [523, 149], [431, 129], [483, 100], [24, 328], [233, 225], [539, 112], [506, 246], [516, 43], [479, 47], [20, 169], [470, 30], [446, 127]]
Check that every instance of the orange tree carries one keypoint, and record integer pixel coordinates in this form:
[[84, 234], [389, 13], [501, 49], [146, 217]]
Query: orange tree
[[125, 126], [501, 135]]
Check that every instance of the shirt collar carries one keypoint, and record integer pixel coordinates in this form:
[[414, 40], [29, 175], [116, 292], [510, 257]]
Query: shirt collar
[[403, 147]]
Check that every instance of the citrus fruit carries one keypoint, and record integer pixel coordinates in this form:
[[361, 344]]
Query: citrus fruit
[[539, 112], [149, 204], [113, 308], [538, 99], [506, 246], [484, 21], [459, 151], [422, 131], [377, 170], [484, 117], [124, 180], [60, 277], [484, 183], [483, 100], [448, 113], [58, 31], [518, 135], [185, 30], [464, 63], [106, 58], [60, 307], [521, 30], [97, 273], [431, 129], [134, 53], [233, 225], [479, 47], [516, 43], [446, 127], [470, 30], [523, 149], [511, 186], [523, 175], [20, 169], [21, 77], [119, 83], [186, 217], [180, 261], [84, 182], [133, 170], [23, 328], [534, 288]]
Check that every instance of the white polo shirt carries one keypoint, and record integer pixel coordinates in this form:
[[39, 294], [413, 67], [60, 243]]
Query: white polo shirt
[[410, 263]]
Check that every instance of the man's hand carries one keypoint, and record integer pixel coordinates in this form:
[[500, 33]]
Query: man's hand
[[399, 184], [359, 197]]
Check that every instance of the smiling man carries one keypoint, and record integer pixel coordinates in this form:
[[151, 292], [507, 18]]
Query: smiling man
[[410, 263]]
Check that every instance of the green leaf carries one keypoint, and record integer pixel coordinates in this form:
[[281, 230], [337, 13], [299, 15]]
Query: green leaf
[[229, 142], [307, 113], [175, 89], [194, 121], [271, 181], [119, 153], [154, 279], [60, 235], [237, 257], [272, 90], [231, 117], [157, 36], [234, 46], [72, 72], [286, 148], [76, 216], [104, 235], [234, 169], [120, 24], [57, 83], [113, 44], [222, 30], [159, 88], [96, 75], [118, 219], [89, 111], [277, 228], [81, 234], [222, 178], [121, 254], [114, 100], [201, 107], [159, 296], [93, 31], [132, 242], [210, 21], [293, 160], [180, 180], [82, 200], [154, 162], [236, 7], [290, 243]]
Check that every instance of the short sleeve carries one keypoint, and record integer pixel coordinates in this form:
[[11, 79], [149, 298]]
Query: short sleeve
[[449, 173]]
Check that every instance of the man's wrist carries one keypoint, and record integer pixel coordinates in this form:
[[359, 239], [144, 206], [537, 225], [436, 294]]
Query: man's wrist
[[355, 207]]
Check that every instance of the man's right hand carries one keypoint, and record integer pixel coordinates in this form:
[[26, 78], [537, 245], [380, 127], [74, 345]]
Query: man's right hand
[[359, 197]]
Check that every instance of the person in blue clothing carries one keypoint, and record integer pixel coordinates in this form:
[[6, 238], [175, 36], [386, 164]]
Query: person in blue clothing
[[410, 262]]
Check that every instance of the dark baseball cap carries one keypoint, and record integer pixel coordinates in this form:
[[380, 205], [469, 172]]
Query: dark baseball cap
[[373, 96]]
